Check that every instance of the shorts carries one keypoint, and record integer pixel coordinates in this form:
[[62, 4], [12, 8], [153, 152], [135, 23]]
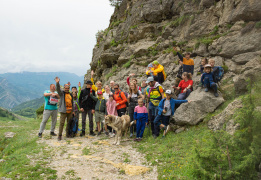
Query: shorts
[[99, 116]]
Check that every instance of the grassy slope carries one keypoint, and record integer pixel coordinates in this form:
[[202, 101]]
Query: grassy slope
[[17, 152]]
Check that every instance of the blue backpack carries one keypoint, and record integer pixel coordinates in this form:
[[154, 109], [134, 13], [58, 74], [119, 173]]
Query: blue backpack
[[218, 72]]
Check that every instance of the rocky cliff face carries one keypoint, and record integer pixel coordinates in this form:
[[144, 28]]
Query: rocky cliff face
[[141, 31]]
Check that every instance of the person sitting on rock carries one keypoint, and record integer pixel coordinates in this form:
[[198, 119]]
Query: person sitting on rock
[[188, 63], [149, 71], [166, 109], [215, 69], [178, 77], [185, 86], [207, 79], [134, 80], [204, 61], [98, 86], [158, 70]]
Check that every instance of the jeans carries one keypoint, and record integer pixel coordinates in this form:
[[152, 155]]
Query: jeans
[[90, 115], [184, 95], [209, 84], [140, 127], [68, 117], [46, 115], [160, 119], [131, 114], [153, 111]]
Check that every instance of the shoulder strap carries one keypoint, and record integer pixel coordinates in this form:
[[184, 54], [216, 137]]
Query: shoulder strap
[[120, 95]]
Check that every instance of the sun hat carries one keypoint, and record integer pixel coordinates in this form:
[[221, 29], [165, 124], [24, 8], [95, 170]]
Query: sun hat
[[150, 79], [168, 91]]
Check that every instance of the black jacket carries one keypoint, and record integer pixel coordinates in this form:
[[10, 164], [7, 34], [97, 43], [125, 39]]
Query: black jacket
[[85, 100]]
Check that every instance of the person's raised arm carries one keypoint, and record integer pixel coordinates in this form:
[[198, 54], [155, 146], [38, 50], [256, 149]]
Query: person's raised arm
[[57, 80], [179, 55]]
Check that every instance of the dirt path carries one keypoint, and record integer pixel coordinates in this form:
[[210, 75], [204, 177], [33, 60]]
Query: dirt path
[[96, 158]]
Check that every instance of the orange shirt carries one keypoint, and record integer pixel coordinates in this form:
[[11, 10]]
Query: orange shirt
[[121, 99], [68, 102]]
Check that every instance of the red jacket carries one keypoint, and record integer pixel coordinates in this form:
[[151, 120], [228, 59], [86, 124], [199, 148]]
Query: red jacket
[[121, 99]]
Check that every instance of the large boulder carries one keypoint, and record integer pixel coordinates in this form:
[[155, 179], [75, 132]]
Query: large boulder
[[225, 117], [194, 112]]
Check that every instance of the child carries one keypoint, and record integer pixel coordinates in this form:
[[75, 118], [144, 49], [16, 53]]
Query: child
[[207, 79], [111, 110], [149, 71], [214, 68], [141, 119], [203, 63], [166, 109], [100, 110]]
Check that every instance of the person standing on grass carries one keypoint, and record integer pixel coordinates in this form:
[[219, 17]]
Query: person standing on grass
[[166, 109], [120, 99], [87, 105], [65, 107], [50, 109]]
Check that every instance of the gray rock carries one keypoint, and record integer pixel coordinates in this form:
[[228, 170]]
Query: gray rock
[[207, 3], [242, 59], [217, 122], [194, 112], [179, 130], [9, 134]]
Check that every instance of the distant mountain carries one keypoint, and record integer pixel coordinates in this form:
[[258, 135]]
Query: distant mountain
[[17, 88]]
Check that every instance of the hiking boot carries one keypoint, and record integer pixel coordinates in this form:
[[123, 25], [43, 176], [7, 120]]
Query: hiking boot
[[92, 133], [216, 94], [206, 89], [40, 135], [131, 135], [59, 138], [82, 133], [53, 134], [99, 133]]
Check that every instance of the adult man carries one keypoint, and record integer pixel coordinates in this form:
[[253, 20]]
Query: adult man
[[65, 107], [50, 109], [87, 105], [158, 70], [154, 93], [188, 63]]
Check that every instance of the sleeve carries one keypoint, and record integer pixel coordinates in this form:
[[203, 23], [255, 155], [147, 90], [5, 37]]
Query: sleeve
[[94, 97], [180, 56], [160, 107], [191, 82], [159, 69], [148, 72], [139, 89], [180, 101], [79, 92], [80, 100], [93, 104], [124, 99], [128, 81], [105, 107], [161, 89], [180, 83], [202, 78], [59, 89], [192, 69], [135, 113]]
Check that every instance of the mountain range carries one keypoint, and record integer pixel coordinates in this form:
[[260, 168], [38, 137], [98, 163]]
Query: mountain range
[[17, 88]]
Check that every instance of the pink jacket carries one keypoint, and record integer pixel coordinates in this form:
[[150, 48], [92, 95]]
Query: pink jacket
[[111, 108]]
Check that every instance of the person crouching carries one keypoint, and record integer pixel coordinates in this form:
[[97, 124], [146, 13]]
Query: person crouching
[[208, 81], [141, 119]]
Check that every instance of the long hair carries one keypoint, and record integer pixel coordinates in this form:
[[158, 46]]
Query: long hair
[[135, 91], [188, 75]]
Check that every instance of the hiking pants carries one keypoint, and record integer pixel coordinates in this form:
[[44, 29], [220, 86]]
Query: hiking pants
[[184, 95], [210, 84], [68, 117], [46, 115], [140, 127], [160, 77], [160, 119], [153, 111], [90, 115], [121, 112], [131, 114]]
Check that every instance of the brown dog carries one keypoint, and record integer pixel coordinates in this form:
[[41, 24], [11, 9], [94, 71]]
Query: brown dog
[[119, 124]]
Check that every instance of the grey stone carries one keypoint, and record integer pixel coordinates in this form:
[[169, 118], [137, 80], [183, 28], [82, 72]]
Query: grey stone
[[194, 112], [9, 134], [180, 130]]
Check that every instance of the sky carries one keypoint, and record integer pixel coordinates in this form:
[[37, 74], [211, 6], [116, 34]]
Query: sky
[[50, 35]]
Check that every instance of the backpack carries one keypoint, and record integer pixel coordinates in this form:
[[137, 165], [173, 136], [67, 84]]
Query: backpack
[[73, 126], [218, 74]]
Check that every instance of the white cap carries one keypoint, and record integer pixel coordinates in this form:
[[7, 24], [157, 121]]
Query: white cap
[[149, 79], [168, 91]]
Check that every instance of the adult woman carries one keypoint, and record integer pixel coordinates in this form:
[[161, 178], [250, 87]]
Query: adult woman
[[185, 85], [120, 99], [107, 92], [133, 97]]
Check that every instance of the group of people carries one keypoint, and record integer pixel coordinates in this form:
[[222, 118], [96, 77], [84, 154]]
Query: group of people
[[145, 104]]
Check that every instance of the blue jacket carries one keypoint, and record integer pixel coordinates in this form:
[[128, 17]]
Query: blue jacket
[[172, 105], [210, 76]]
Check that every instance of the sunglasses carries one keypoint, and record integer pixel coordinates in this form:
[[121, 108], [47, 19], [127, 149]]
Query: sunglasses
[[116, 88]]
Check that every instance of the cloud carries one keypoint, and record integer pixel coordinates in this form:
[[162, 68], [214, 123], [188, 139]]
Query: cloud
[[55, 35]]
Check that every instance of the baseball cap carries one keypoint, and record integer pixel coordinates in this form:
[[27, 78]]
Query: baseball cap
[[168, 91], [150, 79], [207, 65], [99, 92]]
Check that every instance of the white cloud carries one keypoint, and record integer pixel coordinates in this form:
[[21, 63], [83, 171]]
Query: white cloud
[[61, 33]]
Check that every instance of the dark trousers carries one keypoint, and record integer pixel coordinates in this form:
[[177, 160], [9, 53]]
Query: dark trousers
[[210, 84], [160, 77], [160, 119], [90, 115], [184, 95], [153, 111], [121, 112], [131, 114], [140, 127]]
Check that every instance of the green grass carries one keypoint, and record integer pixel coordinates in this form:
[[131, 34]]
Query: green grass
[[16, 151], [86, 151], [174, 154], [258, 25]]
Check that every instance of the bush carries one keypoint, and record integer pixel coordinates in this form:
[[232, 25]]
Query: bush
[[40, 110], [258, 25]]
